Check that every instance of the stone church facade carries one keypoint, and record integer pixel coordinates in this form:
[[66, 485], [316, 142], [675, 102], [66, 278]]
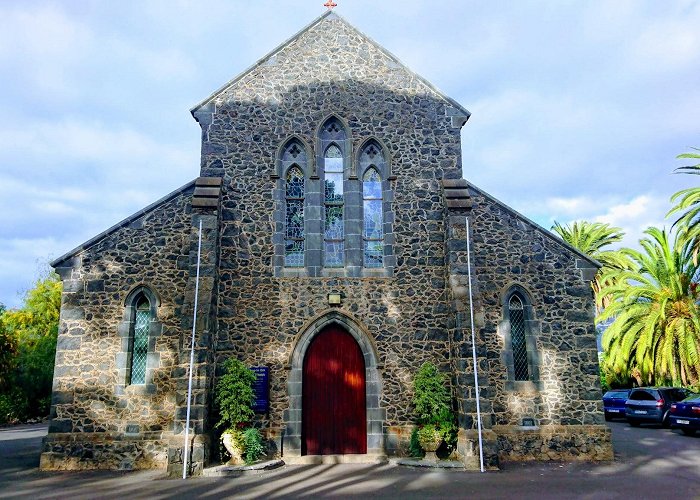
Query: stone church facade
[[331, 202]]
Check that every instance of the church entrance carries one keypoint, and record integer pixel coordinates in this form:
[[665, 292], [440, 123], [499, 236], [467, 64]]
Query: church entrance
[[334, 419]]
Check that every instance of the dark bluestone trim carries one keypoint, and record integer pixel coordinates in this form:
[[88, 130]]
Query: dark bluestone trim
[[373, 385], [532, 329], [126, 332]]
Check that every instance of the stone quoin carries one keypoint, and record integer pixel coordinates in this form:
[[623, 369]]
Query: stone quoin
[[328, 169]]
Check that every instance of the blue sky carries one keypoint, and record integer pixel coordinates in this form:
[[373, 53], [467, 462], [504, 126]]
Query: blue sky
[[578, 108]]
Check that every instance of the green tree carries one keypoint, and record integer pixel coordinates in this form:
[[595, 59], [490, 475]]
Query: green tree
[[8, 352], [591, 238], [655, 333], [687, 205], [34, 329]]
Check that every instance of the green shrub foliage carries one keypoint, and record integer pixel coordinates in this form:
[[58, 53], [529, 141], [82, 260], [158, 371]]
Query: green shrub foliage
[[414, 448], [234, 395], [431, 395], [14, 407], [433, 403], [27, 351], [429, 433], [253, 445]]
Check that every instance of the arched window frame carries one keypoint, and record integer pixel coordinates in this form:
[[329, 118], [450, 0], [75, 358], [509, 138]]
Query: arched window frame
[[372, 154], [138, 340], [127, 332], [333, 132], [371, 242], [293, 152], [531, 328], [314, 202], [295, 241]]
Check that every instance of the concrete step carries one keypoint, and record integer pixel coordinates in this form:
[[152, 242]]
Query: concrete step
[[241, 470], [369, 458]]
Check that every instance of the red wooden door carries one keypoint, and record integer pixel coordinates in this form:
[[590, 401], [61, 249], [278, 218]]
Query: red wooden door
[[333, 395]]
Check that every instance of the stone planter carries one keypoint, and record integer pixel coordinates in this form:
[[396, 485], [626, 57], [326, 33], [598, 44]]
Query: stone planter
[[233, 448], [430, 441]]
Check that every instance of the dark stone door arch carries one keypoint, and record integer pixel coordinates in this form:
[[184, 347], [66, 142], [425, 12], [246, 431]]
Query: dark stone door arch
[[333, 395], [374, 414]]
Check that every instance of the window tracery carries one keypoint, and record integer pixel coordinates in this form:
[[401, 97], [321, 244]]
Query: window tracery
[[294, 218], [334, 231], [373, 215]]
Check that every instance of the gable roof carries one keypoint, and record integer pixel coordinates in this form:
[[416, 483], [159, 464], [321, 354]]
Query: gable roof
[[95, 239], [549, 234], [327, 16]]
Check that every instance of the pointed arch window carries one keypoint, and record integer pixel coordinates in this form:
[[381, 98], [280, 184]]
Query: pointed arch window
[[516, 316], [373, 215], [334, 200], [139, 340], [294, 218]]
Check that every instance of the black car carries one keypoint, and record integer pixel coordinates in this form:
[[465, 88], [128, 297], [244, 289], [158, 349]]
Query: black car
[[652, 404], [614, 403], [685, 415]]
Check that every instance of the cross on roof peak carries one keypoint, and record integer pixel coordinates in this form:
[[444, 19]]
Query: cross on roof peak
[[330, 4]]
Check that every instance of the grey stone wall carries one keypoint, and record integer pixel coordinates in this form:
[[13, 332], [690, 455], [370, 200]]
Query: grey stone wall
[[412, 311], [96, 418], [405, 313], [563, 395]]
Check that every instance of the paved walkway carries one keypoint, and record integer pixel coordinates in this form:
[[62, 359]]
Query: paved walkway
[[650, 463]]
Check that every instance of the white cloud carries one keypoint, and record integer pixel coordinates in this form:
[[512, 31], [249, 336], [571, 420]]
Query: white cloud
[[55, 144], [635, 216], [24, 259], [578, 109]]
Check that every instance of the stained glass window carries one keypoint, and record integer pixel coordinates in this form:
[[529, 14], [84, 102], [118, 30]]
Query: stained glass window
[[373, 218], [516, 314], [334, 236], [139, 345], [294, 218]]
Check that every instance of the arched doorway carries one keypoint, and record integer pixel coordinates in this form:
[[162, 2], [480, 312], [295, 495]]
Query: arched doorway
[[333, 395]]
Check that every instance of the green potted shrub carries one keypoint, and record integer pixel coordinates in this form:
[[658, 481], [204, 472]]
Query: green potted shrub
[[234, 398], [434, 415]]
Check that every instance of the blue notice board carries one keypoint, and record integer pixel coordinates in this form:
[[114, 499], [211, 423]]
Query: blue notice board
[[261, 387]]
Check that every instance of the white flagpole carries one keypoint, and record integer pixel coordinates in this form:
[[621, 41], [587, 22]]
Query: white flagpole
[[476, 374], [194, 327]]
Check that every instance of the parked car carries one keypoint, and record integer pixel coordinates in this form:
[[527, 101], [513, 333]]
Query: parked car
[[685, 415], [652, 404], [614, 403]]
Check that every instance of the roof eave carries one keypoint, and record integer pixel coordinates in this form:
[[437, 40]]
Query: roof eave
[[289, 41], [537, 227], [84, 246]]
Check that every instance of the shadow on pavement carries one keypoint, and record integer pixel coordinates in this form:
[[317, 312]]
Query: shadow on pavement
[[648, 461]]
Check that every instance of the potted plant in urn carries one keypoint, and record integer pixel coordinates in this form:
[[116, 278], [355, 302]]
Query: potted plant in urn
[[434, 415], [234, 398]]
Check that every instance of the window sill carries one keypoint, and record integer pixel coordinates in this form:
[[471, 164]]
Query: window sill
[[523, 386], [333, 272]]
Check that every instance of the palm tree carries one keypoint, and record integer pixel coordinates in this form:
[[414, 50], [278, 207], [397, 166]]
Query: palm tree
[[591, 238], [688, 205], [655, 333]]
